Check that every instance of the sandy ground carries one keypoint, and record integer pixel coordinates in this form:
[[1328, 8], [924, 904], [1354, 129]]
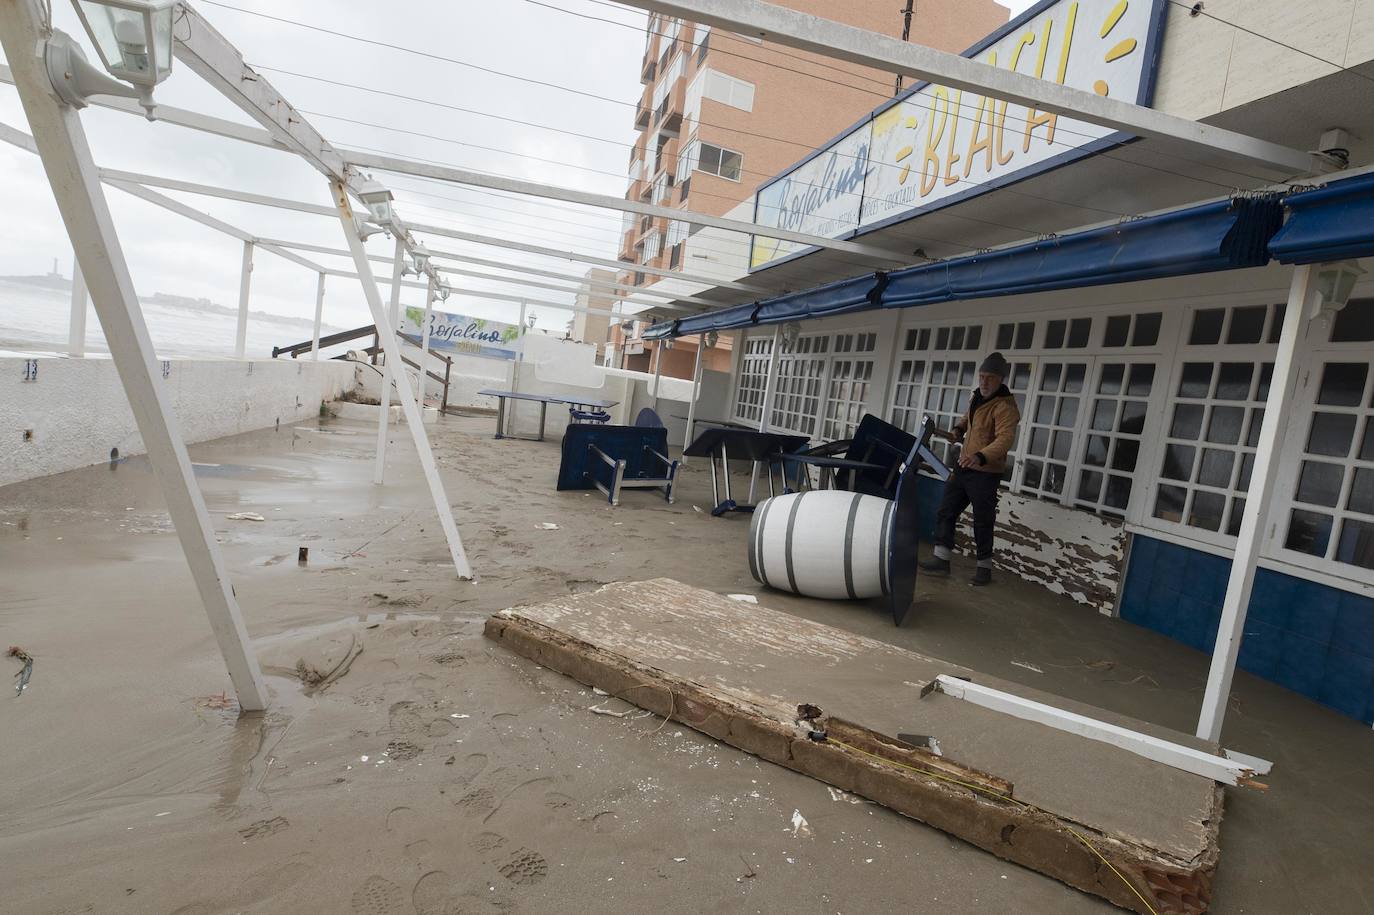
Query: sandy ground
[[440, 774]]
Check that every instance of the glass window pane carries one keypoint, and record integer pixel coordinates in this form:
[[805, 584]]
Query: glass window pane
[[1196, 380], [1319, 483], [1124, 458], [1079, 329], [925, 339], [1266, 375], [1049, 381], [956, 338], [1096, 453], [1207, 510], [1044, 410], [1089, 485], [1118, 492], [1112, 376], [1207, 326], [1367, 446], [1034, 469], [942, 338], [1178, 462], [1104, 415], [1054, 334], [1362, 492], [1331, 434], [975, 336], [1025, 333], [1216, 468], [1020, 376], [1068, 412], [1132, 417], [1247, 324], [966, 374], [1118, 327], [1060, 449], [1073, 377], [1256, 424], [1343, 384], [1237, 513], [1040, 441], [1276, 324], [1187, 422], [1234, 381], [1308, 532], [1146, 329], [1356, 545], [951, 373], [1247, 464], [1225, 425], [1054, 478], [1354, 323], [1169, 503], [1142, 379], [1004, 335]]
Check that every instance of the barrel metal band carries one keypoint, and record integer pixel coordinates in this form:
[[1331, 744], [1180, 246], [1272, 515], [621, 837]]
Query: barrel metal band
[[883, 570], [791, 525], [849, 545]]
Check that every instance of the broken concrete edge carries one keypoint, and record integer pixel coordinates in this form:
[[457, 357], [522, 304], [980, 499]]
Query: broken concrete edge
[[1009, 829]]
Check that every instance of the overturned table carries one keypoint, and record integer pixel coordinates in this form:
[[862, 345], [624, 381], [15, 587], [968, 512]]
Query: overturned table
[[845, 709], [543, 400]]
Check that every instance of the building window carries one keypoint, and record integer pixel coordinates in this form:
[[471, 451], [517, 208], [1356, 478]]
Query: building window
[[652, 245], [715, 160], [1020, 335], [728, 90], [948, 388], [1132, 330], [1071, 333], [801, 371], [1114, 433], [677, 232], [1332, 515], [847, 390], [662, 187], [753, 379], [703, 32], [906, 394], [686, 160], [1054, 417]]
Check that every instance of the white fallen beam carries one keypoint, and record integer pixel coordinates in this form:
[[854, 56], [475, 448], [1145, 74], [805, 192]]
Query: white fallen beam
[[1230, 771], [612, 287], [892, 55]]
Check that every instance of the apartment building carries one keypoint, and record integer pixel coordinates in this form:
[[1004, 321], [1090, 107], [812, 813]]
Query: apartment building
[[722, 112], [594, 294]]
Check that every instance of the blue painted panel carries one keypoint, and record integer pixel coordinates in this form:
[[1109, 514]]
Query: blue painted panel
[[1306, 636]]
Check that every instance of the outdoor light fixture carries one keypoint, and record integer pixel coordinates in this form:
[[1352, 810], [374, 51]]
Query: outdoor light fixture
[[1335, 283], [377, 199], [134, 41], [419, 255], [712, 338], [791, 333], [443, 293]]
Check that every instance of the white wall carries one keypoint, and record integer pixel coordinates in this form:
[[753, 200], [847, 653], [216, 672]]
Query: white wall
[[77, 412]]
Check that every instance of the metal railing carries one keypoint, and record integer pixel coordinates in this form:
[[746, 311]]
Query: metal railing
[[294, 350]]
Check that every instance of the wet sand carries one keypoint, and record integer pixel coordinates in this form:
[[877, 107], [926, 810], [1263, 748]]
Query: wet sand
[[440, 774]]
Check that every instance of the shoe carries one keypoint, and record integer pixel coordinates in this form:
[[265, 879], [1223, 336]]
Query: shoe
[[981, 576], [935, 566]]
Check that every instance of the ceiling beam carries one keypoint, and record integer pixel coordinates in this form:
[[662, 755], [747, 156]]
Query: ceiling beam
[[891, 55], [615, 289]]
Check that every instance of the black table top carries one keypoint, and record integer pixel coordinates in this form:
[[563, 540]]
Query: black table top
[[746, 444], [837, 463]]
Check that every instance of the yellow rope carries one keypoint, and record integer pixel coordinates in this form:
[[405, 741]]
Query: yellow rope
[[983, 790]]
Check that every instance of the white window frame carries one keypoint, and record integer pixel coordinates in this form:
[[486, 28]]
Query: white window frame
[[728, 90], [698, 157], [756, 355], [651, 247]]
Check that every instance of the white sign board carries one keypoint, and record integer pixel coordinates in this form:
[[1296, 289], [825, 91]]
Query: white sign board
[[936, 146], [464, 334]]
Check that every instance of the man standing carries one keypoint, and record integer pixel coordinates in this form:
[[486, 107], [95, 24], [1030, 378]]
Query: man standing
[[987, 431]]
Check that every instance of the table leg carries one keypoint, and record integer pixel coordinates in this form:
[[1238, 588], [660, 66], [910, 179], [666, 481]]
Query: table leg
[[543, 411], [500, 417], [753, 481], [715, 489], [725, 469]]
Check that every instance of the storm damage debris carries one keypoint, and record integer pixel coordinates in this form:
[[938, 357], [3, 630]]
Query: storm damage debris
[[831, 705], [25, 672]]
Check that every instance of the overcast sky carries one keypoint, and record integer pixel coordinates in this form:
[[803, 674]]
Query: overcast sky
[[542, 41]]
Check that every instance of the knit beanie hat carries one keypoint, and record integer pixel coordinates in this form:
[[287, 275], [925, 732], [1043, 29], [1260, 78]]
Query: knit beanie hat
[[996, 364]]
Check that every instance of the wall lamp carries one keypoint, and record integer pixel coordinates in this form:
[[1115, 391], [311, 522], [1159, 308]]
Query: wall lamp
[[134, 41]]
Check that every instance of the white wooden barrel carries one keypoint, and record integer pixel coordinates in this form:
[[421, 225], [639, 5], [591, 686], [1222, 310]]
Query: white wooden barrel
[[822, 543]]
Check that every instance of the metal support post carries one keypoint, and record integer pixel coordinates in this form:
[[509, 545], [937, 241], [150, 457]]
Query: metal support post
[[696, 388], [386, 330], [245, 281], [658, 371], [424, 344], [1278, 409], [75, 183], [391, 345], [319, 314], [771, 380], [76, 329]]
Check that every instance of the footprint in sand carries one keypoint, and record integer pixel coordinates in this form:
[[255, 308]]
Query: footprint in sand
[[437, 893], [264, 828], [378, 896], [402, 750], [525, 868], [404, 717], [473, 765]]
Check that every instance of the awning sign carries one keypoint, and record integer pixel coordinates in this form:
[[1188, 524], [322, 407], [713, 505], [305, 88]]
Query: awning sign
[[464, 334], [936, 146]]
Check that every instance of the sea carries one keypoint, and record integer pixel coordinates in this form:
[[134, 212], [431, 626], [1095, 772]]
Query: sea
[[35, 312]]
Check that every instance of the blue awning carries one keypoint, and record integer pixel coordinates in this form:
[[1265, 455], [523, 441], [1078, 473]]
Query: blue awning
[[1330, 223], [1223, 235], [857, 294], [659, 331], [721, 319]]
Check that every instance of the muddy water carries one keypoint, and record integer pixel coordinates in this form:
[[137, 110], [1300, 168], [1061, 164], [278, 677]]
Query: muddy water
[[438, 774]]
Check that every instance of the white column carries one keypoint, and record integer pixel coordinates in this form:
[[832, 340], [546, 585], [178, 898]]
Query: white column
[[391, 346], [386, 330], [319, 315], [245, 281], [424, 343], [696, 388], [75, 184], [519, 360], [771, 380], [76, 328], [658, 369], [1278, 410]]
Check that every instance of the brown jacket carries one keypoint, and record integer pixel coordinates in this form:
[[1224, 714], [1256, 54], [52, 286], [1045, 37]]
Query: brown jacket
[[989, 429]]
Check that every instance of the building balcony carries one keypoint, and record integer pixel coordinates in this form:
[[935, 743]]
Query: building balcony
[[668, 117], [642, 116], [648, 69]]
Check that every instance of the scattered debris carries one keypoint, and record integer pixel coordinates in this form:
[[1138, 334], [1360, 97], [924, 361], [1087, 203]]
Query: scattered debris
[[679, 860], [922, 742], [222, 701], [599, 691], [1100, 665], [1026, 666], [800, 828], [547, 526], [450, 761], [744, 598], [303, 555], [748, 871], [598, 710], [837, 795], [245, 516], [25, 672]]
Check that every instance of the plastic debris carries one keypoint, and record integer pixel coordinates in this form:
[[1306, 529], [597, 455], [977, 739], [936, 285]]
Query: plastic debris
[[744, 598], [246, 516], [547, 526], [1026, 666], [25, 672], [800, 828]]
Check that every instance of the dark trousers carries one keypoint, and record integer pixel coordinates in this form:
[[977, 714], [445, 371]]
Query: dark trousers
[[962, 488]]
